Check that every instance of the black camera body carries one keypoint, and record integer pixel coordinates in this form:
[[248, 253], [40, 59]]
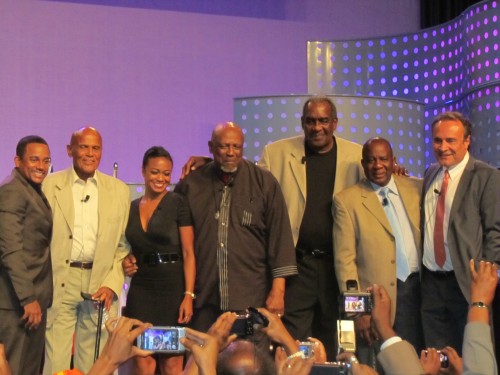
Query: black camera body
[[356, 302], [330, 368], [246, 324]]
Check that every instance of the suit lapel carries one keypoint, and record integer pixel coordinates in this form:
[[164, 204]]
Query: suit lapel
[[37, 200], [431, 175], [105, 197], [64, 198], [410, 204], [298, 169], [372, 204], [462, 188]]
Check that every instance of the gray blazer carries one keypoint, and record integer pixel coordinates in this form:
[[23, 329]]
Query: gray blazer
[[25, 232], [474, 226]]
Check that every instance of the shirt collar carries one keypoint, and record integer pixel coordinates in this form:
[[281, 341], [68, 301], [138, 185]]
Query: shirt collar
[[76, 179], [391, 185], [456, 170]]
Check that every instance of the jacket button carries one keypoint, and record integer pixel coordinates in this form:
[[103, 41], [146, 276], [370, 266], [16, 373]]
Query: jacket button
[[67, 261], [62, 285], [392, 284]]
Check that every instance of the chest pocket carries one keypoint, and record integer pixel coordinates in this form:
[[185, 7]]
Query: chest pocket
[[249, 211]]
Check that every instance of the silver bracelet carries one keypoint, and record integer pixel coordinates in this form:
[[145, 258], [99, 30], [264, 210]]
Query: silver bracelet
[[299, 354], [190, 294]]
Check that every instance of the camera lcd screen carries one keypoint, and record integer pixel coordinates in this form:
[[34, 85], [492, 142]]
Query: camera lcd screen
[[355, 304], [162, 339]]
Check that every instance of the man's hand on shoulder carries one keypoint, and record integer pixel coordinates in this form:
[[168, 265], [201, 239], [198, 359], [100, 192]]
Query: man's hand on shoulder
[[193, 163]]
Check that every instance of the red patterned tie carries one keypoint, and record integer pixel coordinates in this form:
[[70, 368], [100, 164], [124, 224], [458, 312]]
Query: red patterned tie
[[439, 253]]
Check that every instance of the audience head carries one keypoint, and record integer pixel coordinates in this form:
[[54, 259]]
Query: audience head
[[242, 357], [32, 158], [226, 146], [378, 161], [86, 150], [451, 133], [319, 121], [157, 167]]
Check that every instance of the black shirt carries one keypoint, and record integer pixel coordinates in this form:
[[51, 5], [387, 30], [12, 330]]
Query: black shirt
[[316, 227]]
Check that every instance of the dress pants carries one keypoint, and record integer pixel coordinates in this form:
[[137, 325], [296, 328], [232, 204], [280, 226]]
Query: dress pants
[[23, 347], [311, 302], [444, 310], [77, 317], [408, 320]]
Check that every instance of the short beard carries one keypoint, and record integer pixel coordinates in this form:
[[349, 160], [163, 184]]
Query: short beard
[[228, 170]]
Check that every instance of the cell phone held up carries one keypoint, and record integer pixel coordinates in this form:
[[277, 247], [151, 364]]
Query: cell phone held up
[[162, 339]]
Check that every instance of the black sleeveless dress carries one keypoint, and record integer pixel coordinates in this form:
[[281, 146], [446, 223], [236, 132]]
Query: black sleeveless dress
[[157, 289]]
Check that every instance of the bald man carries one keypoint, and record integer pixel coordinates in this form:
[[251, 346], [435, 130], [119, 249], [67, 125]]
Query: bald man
[[243, 241], [90, 211]]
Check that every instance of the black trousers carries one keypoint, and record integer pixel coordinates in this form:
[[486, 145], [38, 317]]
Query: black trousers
[[311, 302], [444, 310], [408, 321]]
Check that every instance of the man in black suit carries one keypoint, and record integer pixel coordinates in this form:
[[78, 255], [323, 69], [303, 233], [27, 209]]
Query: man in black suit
[[461, 221], [25, 266]]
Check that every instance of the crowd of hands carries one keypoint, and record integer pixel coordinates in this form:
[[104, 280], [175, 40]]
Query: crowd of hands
[[205, 347]]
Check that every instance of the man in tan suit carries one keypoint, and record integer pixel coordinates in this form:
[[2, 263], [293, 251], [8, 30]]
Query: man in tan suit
[[90, 211], [311, 169], [377, 239]]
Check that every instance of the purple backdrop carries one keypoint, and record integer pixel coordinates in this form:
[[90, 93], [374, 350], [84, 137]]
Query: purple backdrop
[[146, 76]]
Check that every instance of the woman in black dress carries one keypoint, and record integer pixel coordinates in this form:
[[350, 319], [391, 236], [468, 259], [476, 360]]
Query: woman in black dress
[[161, 236]]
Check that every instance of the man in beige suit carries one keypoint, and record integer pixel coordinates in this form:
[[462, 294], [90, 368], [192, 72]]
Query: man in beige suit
[[377, 239], [311, 169], [90, 211]]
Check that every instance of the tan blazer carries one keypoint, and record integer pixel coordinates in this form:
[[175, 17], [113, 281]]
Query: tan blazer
[[111, 247], [400, 359], [363, 240], [284, 159]]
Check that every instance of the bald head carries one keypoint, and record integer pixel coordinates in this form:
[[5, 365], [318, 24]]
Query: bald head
[[378, 161], [226, 146], [86, 150], [242, 357]]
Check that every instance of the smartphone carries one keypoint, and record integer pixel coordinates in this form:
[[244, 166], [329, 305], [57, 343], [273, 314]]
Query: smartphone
[[162, 339]]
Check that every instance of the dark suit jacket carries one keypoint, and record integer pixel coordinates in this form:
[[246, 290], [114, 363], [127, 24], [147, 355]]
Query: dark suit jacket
[[25, 232], [474, 226]]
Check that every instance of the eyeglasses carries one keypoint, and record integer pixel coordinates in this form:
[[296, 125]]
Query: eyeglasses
[[312, 121]]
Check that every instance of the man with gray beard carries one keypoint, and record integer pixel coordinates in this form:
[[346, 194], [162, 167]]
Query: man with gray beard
[[243, 241]]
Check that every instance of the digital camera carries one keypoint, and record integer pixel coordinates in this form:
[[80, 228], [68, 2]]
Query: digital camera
[[246, 324], [356, 302], [162, 339], [307, 348]]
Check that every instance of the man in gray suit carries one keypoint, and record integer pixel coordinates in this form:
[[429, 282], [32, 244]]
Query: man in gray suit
[[25, 268], [461, 221]]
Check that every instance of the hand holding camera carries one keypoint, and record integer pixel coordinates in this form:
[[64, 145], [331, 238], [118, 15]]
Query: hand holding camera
[[381, 313]]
